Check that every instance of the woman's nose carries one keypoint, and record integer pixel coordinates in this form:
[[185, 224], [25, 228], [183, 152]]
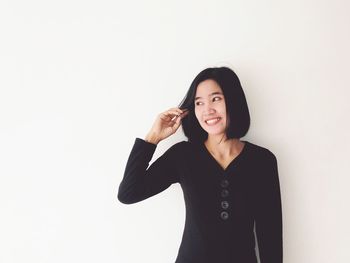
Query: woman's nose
[[209, 109]]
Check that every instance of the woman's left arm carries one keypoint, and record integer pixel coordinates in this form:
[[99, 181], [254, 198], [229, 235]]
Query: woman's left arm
[[268, 219]]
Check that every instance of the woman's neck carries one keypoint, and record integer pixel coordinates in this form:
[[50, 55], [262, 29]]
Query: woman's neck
[[222, 147]]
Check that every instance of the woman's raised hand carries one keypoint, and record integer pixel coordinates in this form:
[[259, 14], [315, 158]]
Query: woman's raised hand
[[165, 125]]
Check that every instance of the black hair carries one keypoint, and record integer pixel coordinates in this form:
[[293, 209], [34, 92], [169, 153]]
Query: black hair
[[236, 105]]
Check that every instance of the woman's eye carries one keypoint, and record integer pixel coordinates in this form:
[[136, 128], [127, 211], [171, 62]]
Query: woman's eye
[[214, 99]]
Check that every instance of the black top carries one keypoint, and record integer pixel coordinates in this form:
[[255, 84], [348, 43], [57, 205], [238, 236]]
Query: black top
[[221, 204]]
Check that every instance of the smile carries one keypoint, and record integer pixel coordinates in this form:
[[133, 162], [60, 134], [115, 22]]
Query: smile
[[212, 121]]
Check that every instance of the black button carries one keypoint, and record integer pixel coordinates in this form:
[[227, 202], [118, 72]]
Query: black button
[[224, 193], [224, 183], [225, 204], [224, 215]]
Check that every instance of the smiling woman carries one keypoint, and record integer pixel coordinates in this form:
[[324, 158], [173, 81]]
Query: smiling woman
[[210, 108], [228, 184], [227, 89], [210, 111]]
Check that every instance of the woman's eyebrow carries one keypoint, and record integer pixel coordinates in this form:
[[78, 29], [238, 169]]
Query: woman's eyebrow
[[212, 94]]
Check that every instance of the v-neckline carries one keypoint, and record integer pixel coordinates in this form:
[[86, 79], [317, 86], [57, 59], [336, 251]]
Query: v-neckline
[[233, 161]]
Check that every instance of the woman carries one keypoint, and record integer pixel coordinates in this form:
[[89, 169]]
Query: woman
[[228, 184]]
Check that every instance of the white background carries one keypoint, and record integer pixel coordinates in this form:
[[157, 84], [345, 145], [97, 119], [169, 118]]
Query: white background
[[80, 80]]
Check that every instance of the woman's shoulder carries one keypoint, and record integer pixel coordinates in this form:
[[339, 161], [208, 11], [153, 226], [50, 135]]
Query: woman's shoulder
[[185, 148], [260, 151], [252, 146], [181, 146]]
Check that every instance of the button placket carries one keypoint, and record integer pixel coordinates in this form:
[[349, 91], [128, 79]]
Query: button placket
[[224, 183], [224, 203], [224, 193], [224, 215]]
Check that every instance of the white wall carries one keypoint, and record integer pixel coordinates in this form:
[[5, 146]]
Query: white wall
[[81, 79]]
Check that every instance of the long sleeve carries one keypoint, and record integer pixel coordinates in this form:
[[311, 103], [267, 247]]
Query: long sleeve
[[269, 215], [140, 182]]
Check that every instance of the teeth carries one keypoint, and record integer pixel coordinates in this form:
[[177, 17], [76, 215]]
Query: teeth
[[212, 120]]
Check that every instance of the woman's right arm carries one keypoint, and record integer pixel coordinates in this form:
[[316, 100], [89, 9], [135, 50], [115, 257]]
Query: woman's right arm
[[140, 181]]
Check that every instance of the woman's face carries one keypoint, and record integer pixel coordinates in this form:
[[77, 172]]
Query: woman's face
[[210, 107]]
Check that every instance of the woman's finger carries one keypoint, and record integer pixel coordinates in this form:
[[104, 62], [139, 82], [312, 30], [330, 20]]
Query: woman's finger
[[171, 112], [178, 118], [176, 109]]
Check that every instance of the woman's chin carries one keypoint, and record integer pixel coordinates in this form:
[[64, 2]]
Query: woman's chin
[[215, 131]]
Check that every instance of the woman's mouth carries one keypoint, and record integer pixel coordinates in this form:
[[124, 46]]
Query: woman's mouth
[[212, 121]]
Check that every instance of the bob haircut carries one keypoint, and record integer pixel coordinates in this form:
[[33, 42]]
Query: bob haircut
[[236, 105]]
